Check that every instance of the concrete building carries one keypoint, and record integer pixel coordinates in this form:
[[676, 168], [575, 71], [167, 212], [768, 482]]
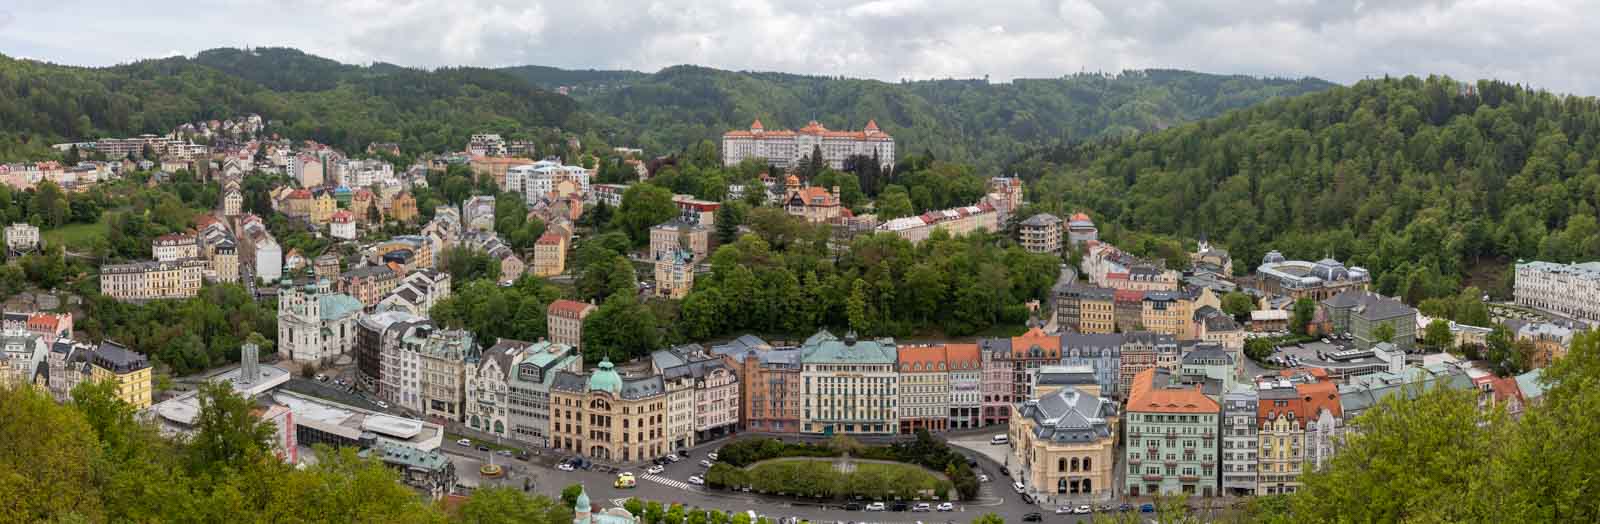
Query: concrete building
[[443, 358], [342, 225], [850, 386], [1062, 447], [1569, 290], [260, 250], [378, 363], [924, 388], [1041, 233], [129, 370], [1359, 313], [1171, 437], [477, 213], [607, 417], [152, 280], [314, 323], [564, 321], [770, 394], [784, 149], [1239, 455], [534, 373]]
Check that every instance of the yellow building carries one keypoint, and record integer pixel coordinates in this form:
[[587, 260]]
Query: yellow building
[[606, 417], [1097, 313], [403, 207], [550, 255], [130, 371], [322, 209], [1062, 446]]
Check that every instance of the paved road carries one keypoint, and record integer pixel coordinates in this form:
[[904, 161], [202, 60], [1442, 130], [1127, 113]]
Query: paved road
[[670, 486]]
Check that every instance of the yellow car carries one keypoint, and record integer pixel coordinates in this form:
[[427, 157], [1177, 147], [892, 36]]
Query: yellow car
[[625, 480]]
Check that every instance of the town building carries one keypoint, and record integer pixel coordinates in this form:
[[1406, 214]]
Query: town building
[[996, 385], [1024, 355], [674, 274], [477, 213], [368, 284], [964, 405], [550, 255], [696, 211], [1062, 446], [1299, 279], [712, 387], [259, 251], [488, 389], [443, 358], [924, 388], [1551, 341], [128, 369], [23, 356], [564, 321], [1101, 353], [1239, 455], [668, 237], [1287, 433], [1569, 290], [152, 279], [1041, 233], [1005, 194], [785, 149], [1127, 310], [770, 395], [1171, 437], [486, 144], [511, 265], [1086, 309], [607, 417], [378, 364], [1359, 313], [418, 292], [850, 385], [534, 373], [815, 204], [314, 323], [1211, 259], [342, 225], [1106, 266], [174, 246], [327, 266], [1144, 350], [1081, 230], [21, 238], [954, 222], [1211, 324], [402, 208]]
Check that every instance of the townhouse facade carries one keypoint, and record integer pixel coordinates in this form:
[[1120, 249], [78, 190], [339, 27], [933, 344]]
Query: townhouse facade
[[1570, 290], [153, 279], [850, 386], [1171, 437]]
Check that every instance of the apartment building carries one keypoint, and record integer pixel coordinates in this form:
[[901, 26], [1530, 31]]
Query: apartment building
[[668, 237], [1171, 437], [1287, 421], [966, 386], [152, 280], [174, 246], [955, 222], [924, 388], [530, 382], [1145, 350], [564, 321], [770, 394], [850, 385], [1041, 233], [1101, 353], [1086, 309], [128, 369], [1239, 455], [368, 284], [550, 255], [605, 416], [1570, 290]]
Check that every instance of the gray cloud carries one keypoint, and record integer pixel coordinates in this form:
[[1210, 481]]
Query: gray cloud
[[1537, 42]]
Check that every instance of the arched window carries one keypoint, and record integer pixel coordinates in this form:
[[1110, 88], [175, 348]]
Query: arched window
[[1061, 486], [1061, 464], [1074, 464], [1086, 463], [1085, 487]]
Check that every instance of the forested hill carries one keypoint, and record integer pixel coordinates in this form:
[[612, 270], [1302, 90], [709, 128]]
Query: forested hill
[[1418, 180], [305, 96], [965, 120]]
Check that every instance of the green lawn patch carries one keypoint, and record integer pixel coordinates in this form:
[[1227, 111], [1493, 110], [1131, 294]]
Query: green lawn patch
[[823, 478]]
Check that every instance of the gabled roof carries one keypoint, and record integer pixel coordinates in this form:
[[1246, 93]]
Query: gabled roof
[[1154, 391]]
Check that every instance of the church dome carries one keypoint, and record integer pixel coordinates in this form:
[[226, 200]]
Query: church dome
[[605, 378]]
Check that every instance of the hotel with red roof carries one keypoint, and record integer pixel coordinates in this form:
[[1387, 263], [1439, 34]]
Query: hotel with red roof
[[784, 148]]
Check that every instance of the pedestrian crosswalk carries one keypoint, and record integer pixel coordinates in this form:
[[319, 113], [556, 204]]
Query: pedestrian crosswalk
[[670, 482]]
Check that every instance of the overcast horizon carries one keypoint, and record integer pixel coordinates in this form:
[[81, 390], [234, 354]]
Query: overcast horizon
[[1533, 42]]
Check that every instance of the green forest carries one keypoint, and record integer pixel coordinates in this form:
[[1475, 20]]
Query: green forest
[[303, 97], [1422, 181], [972, 121]]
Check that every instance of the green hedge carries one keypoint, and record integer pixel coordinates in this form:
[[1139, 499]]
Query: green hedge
[[817, 478], [925, 451]]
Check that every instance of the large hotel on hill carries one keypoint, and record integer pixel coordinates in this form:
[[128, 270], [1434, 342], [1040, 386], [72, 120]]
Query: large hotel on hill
[[784, 148]]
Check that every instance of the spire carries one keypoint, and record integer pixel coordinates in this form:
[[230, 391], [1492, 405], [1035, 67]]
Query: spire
[[756, 126], [872, 125]]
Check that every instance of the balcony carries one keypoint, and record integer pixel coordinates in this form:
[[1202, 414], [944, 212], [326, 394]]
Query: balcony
[[1134, 432], [1189, 478], [1169, 463], [1148, 477], [1207, 464], [1135, 460]]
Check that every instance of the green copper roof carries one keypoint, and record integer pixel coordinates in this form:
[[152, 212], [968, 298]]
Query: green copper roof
[[831, 350], [605, 378]]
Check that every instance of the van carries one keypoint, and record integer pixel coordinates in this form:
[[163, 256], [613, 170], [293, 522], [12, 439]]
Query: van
[[999, 439]]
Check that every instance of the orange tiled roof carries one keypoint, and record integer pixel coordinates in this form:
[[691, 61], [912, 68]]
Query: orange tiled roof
[[1048, 344], [568, 308], [921, 358], [963, 356], [1144, 397]]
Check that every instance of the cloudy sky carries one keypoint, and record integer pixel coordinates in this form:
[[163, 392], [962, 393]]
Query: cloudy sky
[[1545, 43]]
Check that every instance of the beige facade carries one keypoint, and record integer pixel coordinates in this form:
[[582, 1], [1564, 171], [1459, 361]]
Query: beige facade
[[129, 370], [1041, 233], [604, 417], [1063, 445], [674, 275], [550, 255], [564, 321], [671, 236], [174, 246], [152, 280]]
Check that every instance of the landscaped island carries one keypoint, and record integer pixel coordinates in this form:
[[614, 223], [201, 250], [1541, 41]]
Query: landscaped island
[[921, 469]]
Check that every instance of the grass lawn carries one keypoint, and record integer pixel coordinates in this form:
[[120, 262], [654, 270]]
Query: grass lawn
[[817, 477], [77, 235]]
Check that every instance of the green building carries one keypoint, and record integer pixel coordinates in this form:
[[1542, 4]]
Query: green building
[[1171, 444], [1359, 313]]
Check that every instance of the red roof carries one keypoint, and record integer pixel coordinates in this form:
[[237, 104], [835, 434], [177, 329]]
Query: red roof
[[1128, 295], [342, 216], [1050, 346], [1080, 216], [1143, 396], [921, 358], [300, 193], [548, 238], [569, 308]]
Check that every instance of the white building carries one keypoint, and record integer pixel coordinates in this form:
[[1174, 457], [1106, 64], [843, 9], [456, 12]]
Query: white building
[[489, 144], [785, 148], [22, 238], [342, 225], [545, 177], [1571, 290], [315, 323], [850, 386]]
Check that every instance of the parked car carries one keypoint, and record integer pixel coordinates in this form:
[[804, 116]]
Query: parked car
[[946, 506], [1083, 509], [922, 506], [1033, 517], [875, 506], [712, 455], [1147, 508], [852, 507], [696, 480], [983, 477], [626, 480], [899, 506], [383, 405], [1063, 510], [999, 439], [565, 466], [705, 463], [483, 449], [522, 456], [674, 458], [1018, 487], [655, 470], [464, 443], [503, 452], [1125, 507]]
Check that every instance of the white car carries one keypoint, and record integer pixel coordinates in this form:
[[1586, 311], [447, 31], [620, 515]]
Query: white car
[[696, 480], [705, 463], [674, 457], [922, 506], [1063, 510], [1083, 510], [983, 478], [712, 455], [565, 467], [383, 405], [654, 470], [946, 506], [875, 506], [464, 442]]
